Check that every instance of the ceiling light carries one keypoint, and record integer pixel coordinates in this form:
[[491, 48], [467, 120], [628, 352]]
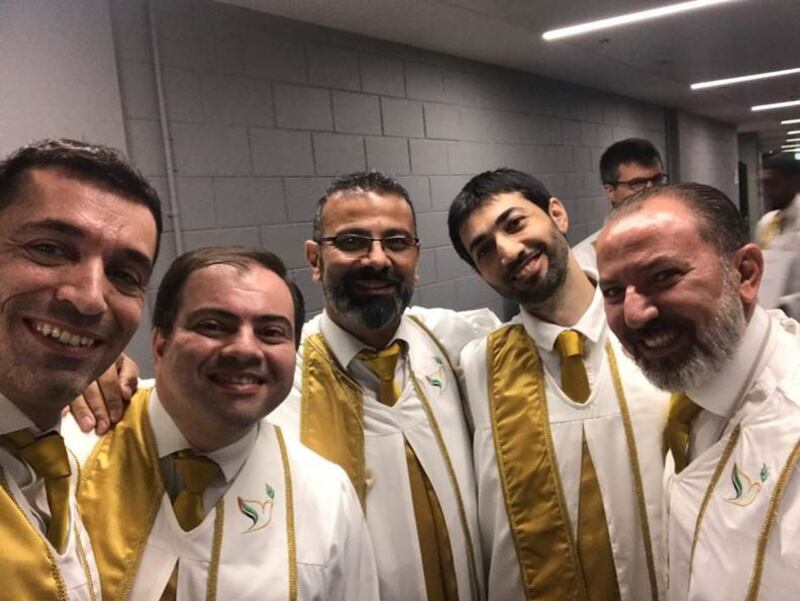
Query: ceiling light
[[775, 105], [788, 146], [643, 15], [743, 78], [794, 131], [788, 121]]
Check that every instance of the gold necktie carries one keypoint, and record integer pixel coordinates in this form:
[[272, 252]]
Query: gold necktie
[[682, 410], [383, 364], [574, 381], [47, 456], [196, 473], [594, 544]]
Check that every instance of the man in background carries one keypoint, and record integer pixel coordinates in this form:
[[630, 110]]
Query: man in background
[[626, 167], [779, 229]]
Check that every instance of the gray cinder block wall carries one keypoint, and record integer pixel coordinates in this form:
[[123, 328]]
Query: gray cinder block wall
[[264, 111]]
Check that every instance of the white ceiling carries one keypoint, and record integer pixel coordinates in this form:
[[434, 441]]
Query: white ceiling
[[654, 61]]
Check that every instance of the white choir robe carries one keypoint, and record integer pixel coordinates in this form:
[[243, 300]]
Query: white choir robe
[[601, 422], [389, 508], [769, 419]]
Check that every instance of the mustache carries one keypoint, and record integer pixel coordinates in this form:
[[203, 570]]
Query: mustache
[[386, 275]]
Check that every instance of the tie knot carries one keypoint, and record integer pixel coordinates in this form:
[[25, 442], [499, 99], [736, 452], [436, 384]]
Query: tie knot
[[570, 344], [196, 471], [382, 363], [46, 455]]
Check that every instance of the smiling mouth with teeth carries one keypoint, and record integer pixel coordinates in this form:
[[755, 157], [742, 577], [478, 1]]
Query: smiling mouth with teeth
[[231, 379], [63, 336]]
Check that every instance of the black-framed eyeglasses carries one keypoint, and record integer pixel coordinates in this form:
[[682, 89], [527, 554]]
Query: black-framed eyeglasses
[[358, 244], [637, 184]]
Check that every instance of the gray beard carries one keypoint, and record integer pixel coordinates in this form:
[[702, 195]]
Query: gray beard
[[701, 364], [369, 312]]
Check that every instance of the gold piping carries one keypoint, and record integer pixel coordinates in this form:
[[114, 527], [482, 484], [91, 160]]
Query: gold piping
[[769, 522], [633, 454], [290, 534], [216, 550], [462, 514], [726, 455]]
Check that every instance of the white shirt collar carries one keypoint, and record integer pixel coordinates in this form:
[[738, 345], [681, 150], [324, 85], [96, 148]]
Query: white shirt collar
[[592, 324], [345, 346], [169, 440], [721, 395], [12, 418]]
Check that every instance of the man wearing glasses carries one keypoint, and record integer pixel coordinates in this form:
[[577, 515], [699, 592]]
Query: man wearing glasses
[[376, 392], [626, 167]]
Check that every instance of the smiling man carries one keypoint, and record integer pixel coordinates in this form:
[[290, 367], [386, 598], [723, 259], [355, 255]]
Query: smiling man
[[376, 392], [567, 430], [79, 231], [680, 282], [220, 501]]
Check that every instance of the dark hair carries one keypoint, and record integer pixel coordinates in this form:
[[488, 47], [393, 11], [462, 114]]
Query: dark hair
[[784, 163], [631, 150], [719, 222], [484, 186], [359, 182], [242, 258], [95, 163]]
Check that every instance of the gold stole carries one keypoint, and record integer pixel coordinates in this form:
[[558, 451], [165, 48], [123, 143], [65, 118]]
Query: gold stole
[[331, 415], [122, 480], [30, 570], [526, 462]]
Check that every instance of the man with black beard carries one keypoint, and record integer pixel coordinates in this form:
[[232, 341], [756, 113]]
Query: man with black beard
[[376, 392], [568, 453], [680, 281]]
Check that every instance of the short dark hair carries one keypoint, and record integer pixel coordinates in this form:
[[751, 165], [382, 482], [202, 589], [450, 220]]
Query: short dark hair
[[784, 163], [484, 186], [631, 150], [359, 182], [169, 295], [719, 221], [95, 163]]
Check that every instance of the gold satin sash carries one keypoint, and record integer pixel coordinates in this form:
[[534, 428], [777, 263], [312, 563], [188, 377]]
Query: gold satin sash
[[526, 462], [331, 413], [29, 569], [127, 454], [546, 550]]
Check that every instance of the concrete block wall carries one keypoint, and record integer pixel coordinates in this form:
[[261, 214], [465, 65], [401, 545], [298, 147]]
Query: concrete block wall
[[708, 153], [264, 111]]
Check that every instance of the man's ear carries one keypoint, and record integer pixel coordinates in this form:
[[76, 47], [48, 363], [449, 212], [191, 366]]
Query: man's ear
[[158, 341], [314, 259], [558, 213], [749, 262], [609, 190]]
